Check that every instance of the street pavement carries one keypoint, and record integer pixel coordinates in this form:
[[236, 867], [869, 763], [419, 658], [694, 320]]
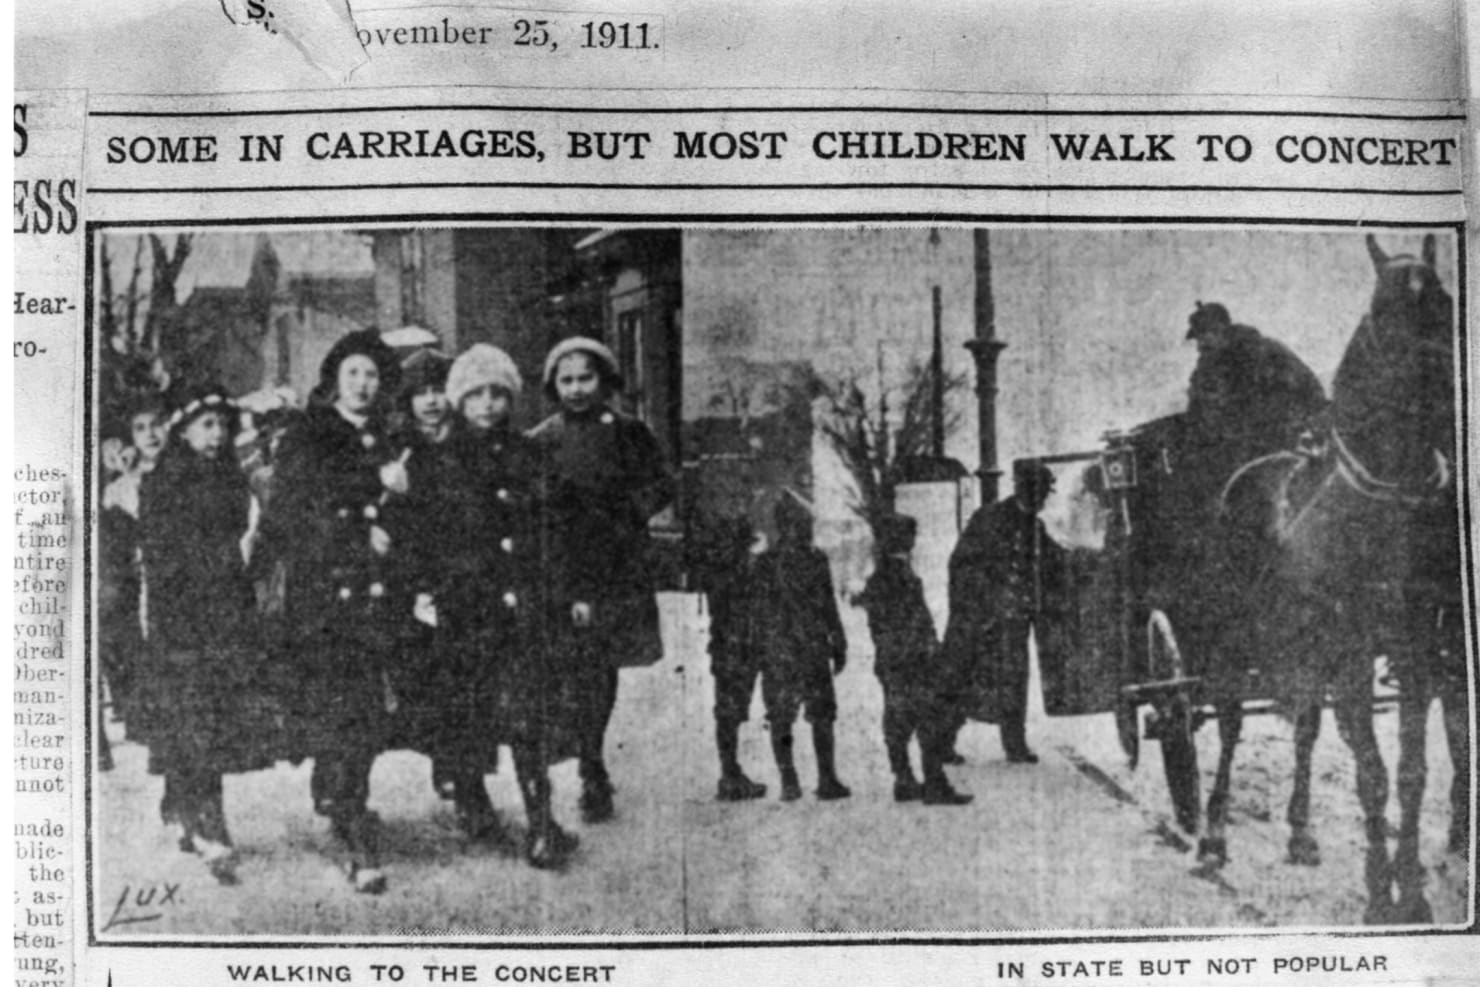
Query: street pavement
[[1079, 842]]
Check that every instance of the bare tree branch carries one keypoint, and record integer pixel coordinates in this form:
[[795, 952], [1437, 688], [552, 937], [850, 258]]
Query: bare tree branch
[[135, 331], [860, 434]]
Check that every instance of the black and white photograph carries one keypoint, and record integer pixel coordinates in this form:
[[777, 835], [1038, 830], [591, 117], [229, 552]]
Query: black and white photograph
[[777, 582]]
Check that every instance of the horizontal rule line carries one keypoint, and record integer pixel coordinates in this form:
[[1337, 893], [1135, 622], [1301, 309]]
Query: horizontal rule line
[[780, 219], [1293, 190], [770, 110]]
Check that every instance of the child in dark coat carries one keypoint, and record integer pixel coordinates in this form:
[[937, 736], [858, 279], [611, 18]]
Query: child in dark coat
[[725, 569], [419, 524], [193, 514], [492, 681], [801, 645], [604, 479], [346, 602], [120, 586], [906, 660]]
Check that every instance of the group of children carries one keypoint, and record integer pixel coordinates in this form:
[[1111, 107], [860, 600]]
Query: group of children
[[397, 566], [774, 617], [409, 570]]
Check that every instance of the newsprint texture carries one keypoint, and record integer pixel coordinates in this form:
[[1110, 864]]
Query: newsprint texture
[[680, 493]]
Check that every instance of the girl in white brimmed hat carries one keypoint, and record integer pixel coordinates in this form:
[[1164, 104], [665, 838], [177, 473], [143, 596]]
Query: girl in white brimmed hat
[[605, 479]]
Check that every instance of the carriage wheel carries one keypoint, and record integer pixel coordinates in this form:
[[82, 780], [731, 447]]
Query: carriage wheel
[[1175, 722]]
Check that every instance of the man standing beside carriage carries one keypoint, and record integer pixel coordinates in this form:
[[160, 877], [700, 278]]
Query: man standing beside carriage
[[1004, 576]]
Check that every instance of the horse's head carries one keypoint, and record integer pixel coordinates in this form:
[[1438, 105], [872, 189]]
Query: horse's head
[[1393, 397], [1409, 300]]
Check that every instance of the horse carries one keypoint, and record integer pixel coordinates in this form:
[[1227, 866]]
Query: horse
[[1342, 551]]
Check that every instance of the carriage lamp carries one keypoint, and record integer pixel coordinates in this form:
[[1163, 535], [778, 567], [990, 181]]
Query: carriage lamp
[[1119, 466], [1118, 461]]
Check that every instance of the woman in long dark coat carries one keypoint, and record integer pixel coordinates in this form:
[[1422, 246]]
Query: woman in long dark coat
[[346, 604], [1006, 579], [197, 677], [604, 480], [490, 683]]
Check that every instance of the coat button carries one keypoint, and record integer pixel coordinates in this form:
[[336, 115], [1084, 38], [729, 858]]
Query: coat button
[[377, 590], [507, 545], [344, 593], [370, 512], [510, 600]]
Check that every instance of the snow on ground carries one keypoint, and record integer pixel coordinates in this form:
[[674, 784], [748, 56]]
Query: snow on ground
[[1042, 848]]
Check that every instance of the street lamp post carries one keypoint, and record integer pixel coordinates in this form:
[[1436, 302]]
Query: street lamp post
[[985, 348]]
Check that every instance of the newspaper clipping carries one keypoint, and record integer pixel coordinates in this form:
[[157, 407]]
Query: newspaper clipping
[[742, 495]]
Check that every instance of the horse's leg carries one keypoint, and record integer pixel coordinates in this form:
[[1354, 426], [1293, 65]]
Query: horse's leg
[[1303, 848], [1354, 721], [1212, 849], [1413, 715], [1451, 687], [1457, 733]]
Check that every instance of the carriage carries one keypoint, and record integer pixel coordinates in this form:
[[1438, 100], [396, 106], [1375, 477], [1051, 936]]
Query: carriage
[[1225, 583], [1131, 615]]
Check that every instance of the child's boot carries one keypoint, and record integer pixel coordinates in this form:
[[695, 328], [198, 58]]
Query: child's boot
[[546, 846], [896, 742], [597, 805], [212, 841], [444, 780], [829, 787], [791, 786], [906, 787], [476, 816], [357, 830], [734, 786], [172, 814], [937, 789]]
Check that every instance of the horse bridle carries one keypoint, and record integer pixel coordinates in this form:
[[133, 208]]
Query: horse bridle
[[1349, 470], [1360, 479]]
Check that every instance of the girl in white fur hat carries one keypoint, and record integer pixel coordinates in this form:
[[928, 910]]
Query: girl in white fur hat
[[605, 479], [490, 674]]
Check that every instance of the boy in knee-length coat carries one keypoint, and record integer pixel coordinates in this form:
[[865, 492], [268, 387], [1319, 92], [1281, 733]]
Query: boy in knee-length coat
[[724, 567], [801, 645], [907, 663]]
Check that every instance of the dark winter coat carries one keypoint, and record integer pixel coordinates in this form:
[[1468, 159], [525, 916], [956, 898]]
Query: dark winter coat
[[473, 502], [1250, 397], [346, 608], [418, 521], [120, 635], [722, 568], [202, 702], [796, 629], [731, 609], [420, 525], [905, 648], [1004, 570], [603, 478]]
